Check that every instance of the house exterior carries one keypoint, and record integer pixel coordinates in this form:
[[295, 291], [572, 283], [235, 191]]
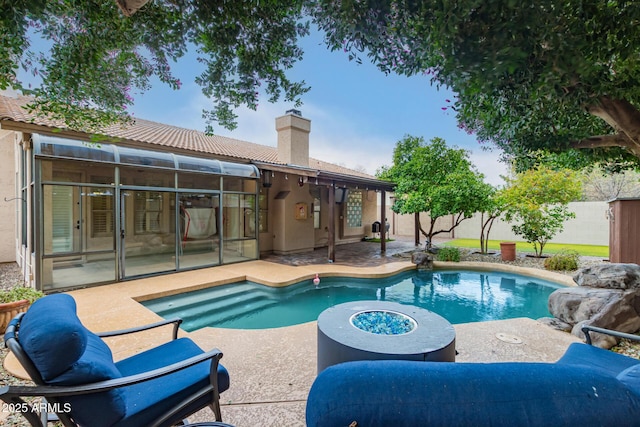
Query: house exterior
[[148, 199]]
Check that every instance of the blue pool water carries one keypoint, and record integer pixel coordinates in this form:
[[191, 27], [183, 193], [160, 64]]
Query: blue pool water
[[458, 296]]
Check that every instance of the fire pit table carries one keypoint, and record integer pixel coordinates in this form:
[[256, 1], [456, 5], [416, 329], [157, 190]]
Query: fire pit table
[[372, 330]]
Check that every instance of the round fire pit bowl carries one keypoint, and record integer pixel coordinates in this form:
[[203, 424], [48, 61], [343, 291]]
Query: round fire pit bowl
[[376, 330]]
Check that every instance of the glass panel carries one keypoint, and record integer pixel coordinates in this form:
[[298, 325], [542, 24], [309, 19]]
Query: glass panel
[[78, 221], [239, 213], [134, 156], [68, 272], [354, 209], [147, 177], [240, 250], [237, 169], [61, 215], [59, 147], [101, 205], [200, 165], [149, 237], [249, 211], [240, 185], [94, 173], [232, 184], [199, 181], [148, 211], [199, 230]]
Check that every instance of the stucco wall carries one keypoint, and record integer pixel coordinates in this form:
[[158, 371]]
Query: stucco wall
[[8, 210], [590, 227]]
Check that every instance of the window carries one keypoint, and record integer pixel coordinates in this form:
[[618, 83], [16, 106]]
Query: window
[[315, 192], [148, 211], [263, 215], [354, 209], [101, 212]]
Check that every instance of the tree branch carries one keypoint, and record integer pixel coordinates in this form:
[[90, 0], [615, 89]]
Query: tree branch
[[614, 140]]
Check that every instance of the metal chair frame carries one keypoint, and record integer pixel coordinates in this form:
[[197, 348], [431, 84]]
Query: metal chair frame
[[14, 395]]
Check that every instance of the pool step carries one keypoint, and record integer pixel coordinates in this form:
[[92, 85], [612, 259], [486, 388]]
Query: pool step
[[216, 317], [195, 298], [209, 306]]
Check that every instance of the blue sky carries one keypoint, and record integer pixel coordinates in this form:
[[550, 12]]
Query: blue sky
[[357, 113]]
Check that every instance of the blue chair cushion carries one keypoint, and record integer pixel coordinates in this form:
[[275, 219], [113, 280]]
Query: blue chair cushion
[[149, 400], [409, 393], [631, 378], [67, 353], [594, 357], [52, 336]]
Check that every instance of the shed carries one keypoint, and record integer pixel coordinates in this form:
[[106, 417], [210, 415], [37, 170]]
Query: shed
[[624, 230]]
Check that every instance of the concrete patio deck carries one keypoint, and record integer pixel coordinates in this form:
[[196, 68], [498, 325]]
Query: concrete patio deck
[[272, 370]]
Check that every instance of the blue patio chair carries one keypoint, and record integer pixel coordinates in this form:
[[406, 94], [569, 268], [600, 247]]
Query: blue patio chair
[[73, 369], [588, 386]]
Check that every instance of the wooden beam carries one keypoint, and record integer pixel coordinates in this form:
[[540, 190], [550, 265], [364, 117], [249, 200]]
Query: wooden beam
[[332, 224], [383, 226]]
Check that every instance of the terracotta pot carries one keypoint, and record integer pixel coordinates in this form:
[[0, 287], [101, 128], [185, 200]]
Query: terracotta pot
[[508, 251], [9, 310]]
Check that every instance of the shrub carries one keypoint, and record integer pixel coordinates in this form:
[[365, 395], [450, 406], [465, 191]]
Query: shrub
[[566, 259], [448, 253], [19, 293]]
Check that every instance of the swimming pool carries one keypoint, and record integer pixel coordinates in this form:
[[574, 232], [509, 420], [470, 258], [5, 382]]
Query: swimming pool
[[459, 296]]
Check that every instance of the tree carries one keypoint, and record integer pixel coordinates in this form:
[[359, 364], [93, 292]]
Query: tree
[[493, 209], [601, 185], [92, 60], [538, 199], [433, 178], [544, 74], [538, 75]]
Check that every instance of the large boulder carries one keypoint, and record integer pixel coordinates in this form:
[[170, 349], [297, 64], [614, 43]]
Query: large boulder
[[607, 296], [573, 305], [423, 260], [610, 276]]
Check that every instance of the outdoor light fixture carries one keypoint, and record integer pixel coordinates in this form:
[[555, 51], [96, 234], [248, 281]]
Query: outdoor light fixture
[[300, 182], [266, 179]]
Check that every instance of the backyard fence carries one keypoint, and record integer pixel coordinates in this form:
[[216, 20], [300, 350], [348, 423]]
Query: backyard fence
[[589, 227]]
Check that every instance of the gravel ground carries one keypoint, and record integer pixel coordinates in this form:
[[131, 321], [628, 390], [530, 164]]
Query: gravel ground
[[10, 275]]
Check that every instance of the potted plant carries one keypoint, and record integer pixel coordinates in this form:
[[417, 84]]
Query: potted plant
[[14, 301]]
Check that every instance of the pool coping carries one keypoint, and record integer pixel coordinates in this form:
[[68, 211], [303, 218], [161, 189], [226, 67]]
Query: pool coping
[[288, 275], [285, 358], [118, 306]]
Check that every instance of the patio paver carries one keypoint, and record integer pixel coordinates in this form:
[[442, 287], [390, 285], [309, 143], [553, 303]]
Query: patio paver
[[272, 370]]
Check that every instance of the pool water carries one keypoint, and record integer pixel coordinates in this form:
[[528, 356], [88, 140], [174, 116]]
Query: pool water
[[458, 296]]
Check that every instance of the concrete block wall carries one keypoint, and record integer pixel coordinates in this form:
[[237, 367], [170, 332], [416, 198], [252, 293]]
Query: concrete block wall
[[589, 227]]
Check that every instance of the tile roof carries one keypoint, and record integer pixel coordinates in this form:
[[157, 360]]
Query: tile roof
[[167, 136]]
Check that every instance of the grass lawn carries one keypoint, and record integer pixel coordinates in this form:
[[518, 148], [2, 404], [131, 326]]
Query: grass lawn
[[377, 240], [549, 248]]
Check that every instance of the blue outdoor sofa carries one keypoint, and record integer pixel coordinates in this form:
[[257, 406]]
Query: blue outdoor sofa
[[588, 386], [74, 370]]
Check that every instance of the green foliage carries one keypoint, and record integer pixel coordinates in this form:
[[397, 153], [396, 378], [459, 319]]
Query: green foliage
[[538, 199], [448, 253], [585, 250], [494, 207], [19, 293], [431, 177], [529, 75], [543, 75], [563, 261], [92, 60]]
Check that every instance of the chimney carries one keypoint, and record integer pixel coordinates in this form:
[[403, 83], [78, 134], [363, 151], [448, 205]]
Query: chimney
[[293, 138]]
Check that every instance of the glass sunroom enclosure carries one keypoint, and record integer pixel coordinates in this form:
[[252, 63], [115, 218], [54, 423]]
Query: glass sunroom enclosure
[[107, 213]]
